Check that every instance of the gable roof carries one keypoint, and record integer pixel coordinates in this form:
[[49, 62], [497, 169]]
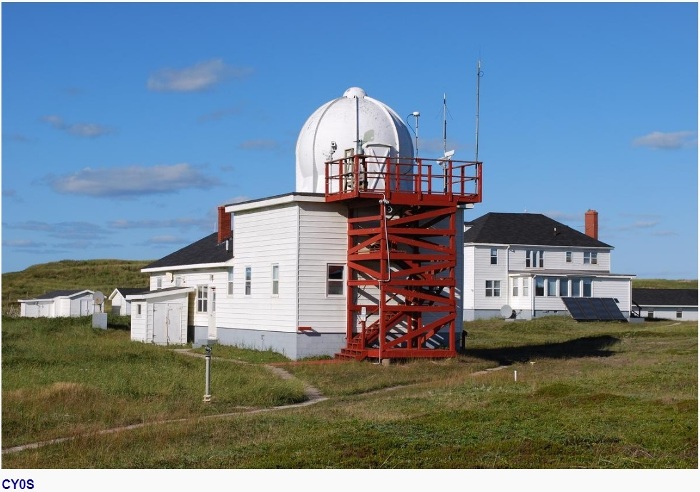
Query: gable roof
[[665, 297], [206, 250], [525, 228], [59, 293], [125, 291]]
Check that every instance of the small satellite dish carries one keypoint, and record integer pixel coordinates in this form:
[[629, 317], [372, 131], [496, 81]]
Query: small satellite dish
[[98, 297], [507, 312]]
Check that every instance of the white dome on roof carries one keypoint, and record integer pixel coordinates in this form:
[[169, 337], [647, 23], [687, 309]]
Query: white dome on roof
[[337, 124]]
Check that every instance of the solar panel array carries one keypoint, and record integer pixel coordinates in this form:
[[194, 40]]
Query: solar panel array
[[593, 309]]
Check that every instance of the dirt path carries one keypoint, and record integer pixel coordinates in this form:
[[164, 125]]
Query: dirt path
[[313, 396]]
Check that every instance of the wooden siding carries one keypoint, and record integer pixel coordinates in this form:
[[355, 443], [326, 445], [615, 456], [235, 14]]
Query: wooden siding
[[555, 259]]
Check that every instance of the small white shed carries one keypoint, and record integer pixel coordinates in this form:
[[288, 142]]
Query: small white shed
[[160, 316], [121, 306], [59, 303]]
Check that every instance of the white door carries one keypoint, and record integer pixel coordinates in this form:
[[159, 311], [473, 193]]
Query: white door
[[212, 314], [167, 324]]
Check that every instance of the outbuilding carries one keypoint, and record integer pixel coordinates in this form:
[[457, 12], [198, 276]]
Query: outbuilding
[[121, 306], [675, 304], [58, 303]]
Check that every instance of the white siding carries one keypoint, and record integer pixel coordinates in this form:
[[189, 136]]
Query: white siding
[[469, 281], [138, 321], [555, 259], [323, 236], [484, 270], [263, 237]]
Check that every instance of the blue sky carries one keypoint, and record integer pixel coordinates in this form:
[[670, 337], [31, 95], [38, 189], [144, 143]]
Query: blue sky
[[125, 125]]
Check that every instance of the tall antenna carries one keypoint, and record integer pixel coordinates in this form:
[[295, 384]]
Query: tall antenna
[[415, 115], [479, 74], [444, 123]]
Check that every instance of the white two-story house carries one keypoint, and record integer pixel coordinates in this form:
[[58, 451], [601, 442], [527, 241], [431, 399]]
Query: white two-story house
[[524, 264]]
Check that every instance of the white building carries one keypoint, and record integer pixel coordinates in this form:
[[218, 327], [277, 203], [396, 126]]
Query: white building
[[673, 304], [526, 263], [120, 305], [275, 275], [58, 303]]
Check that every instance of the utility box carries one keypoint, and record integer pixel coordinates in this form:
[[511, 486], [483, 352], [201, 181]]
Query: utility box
[[99, 320]]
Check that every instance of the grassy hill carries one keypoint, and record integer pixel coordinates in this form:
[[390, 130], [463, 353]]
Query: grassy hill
[[105, 275], [102, 275]]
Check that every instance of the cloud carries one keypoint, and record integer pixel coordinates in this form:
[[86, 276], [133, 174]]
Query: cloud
[[667, 141], [89, 130], [260, 144], [159, 240], [196, 78], [131, 180], [22, 244], [17, 137], [180, 223], [62, 230]]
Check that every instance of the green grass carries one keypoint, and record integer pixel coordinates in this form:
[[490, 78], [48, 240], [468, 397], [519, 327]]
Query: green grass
[[102, 275], [587, 395]]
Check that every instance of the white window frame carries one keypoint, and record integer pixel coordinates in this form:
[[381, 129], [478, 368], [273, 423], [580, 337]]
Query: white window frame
[[568, 256], [248, 286], [590, 257], [230, 282], [275, 280], [516, 282], [333, 282], [534, 258], [494, 256], [492, 288], [202, 298]]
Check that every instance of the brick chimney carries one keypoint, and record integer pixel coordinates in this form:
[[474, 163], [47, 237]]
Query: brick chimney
[[224, 224], [592, 224]]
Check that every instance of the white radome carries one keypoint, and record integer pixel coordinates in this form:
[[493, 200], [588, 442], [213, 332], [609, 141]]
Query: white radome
[[335, 125]]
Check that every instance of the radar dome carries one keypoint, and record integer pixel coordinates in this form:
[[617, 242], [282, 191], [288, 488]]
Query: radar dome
[[332, 132]]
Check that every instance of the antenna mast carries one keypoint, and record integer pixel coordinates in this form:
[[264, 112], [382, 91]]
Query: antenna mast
[[444, 124], [479, 74]]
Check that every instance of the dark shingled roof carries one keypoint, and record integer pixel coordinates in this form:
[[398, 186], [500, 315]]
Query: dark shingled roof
[[665, 297], [532, 229], [59, 293], [206, 250]]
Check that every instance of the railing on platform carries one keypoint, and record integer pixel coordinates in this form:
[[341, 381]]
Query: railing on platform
[[366, 175]]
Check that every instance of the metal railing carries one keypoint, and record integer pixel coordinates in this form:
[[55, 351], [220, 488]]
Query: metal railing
[[369, 175]]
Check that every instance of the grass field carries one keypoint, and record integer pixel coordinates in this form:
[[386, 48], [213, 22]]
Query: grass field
[[547, 393]]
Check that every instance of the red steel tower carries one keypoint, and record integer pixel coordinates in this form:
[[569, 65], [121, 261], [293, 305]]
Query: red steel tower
[[404, 251]]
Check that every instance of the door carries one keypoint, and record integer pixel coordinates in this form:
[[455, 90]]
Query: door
[[167, 324], [212, 314]]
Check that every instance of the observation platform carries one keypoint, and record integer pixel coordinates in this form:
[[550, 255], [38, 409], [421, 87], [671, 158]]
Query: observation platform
[[404, 181]]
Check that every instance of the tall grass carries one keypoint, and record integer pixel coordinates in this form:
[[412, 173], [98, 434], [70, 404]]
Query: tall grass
[[587, 395], [60, 377]]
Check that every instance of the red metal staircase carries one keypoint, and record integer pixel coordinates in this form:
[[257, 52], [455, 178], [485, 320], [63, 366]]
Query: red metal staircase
[[402, 254]]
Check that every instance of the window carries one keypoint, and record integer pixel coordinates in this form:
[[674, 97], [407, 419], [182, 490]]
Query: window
[[230, 281], [138, 309], [213, 299], [526, 287], [516, 281], [248, 280], [587, 287], [335, 280], [564, 287], [494, 256], [539, 286], [568, 256], [159, 283], [551, 287], [575, 287], [202, 297], [679, 313], [590, 258], [275, 279], [493, 288], [534, 258]]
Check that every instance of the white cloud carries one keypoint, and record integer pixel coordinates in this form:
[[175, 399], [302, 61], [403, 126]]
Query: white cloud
[[89, 130], [62, 230], [195, 78], [667, 141], [180, 223], [220, 114], [132, 180]]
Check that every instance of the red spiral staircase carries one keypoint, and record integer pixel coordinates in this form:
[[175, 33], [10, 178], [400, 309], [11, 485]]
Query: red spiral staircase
[[402, 252]]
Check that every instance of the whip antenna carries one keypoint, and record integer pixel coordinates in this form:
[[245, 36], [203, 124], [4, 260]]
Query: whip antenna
[[479, 74]]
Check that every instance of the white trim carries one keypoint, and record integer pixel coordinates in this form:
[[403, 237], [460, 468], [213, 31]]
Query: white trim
[[275, 201]]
